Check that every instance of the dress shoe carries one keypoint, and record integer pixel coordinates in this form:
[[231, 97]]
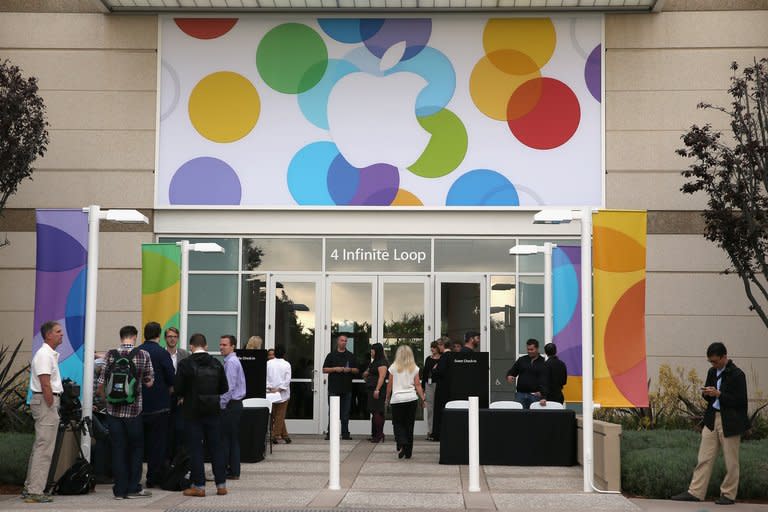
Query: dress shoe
[[685, 496], [195, 492], [327, 437], [346, 437], [221, 491], [724, 500], [287, 440]]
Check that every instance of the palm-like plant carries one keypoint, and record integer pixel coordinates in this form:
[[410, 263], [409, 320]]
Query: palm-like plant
[[13, 413]]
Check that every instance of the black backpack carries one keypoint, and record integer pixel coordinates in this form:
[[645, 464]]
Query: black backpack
[[123, 378], [207, 375], [175, 476], [78, 479]]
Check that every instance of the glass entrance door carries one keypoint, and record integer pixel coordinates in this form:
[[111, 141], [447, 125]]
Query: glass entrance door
[[392, 310], [460, 305], [295, 317]]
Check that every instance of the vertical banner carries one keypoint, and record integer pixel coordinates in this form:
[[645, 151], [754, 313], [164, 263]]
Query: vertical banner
[[60, 277], [160, 285], [566, 310], [618, 249]]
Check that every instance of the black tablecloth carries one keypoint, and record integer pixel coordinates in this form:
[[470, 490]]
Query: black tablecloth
[[253, 433], [511, 437]]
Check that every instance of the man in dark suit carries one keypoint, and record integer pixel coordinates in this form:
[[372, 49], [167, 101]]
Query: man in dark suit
[[725, 420], [557, 374]]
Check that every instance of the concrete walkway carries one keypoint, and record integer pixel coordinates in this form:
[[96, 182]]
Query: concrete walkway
[[295, 477]]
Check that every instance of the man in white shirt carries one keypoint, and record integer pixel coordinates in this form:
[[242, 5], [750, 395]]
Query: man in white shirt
[[46, 388], [279, 392]]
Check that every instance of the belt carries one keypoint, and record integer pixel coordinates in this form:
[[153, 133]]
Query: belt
[[40, 393]]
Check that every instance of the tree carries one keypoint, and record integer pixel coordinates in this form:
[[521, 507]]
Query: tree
[[23, 133], [732, 170]]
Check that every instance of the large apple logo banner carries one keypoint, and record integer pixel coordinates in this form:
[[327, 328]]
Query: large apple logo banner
[[440, 112]]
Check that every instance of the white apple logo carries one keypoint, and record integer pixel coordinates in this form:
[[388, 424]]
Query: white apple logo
[[372, 117]]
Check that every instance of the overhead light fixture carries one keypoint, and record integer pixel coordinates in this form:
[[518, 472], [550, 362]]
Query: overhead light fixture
[[554, 216], [526, 249], [124, 216], [206, 247]]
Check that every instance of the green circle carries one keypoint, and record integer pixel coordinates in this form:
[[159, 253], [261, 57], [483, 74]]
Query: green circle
[[291, 58], [447, 147]]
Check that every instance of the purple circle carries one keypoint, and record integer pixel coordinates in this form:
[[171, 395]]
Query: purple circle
[[592, 73], [378, 186], [205, 181], [415, 32], [69, 254], [343, 180]]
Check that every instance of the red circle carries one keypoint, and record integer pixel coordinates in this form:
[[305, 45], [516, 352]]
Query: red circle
[[552, 121], [205, 28]]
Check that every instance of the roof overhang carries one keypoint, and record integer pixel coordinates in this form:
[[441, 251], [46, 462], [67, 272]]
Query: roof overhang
[[239, 6]]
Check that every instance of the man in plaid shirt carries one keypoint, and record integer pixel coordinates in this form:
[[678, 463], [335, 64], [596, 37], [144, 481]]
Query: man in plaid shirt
[[124, 421]]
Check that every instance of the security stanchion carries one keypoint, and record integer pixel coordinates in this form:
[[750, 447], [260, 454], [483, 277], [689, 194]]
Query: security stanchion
[[334, 427], [474, 444]]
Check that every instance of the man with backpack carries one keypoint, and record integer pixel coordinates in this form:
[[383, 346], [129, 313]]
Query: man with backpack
[[120, 383], [200, 382], [157, 404]]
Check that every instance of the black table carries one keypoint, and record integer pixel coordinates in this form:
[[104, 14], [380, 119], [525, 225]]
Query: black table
[[253, 433], [511, 437]]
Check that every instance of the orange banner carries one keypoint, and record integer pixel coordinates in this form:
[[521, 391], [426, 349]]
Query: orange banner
[[618, 262]]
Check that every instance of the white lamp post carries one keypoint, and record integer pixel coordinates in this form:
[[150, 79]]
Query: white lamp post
[[585, 216], [95, 215], [546, 250], [186, 248]]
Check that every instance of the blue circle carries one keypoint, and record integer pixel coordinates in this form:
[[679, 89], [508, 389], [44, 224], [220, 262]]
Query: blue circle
[[314, 102], [482, 187], [434, 67], [565, 287], [308, 174]]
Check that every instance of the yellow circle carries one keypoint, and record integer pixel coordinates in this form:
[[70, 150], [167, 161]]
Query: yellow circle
[[534, 37], [491, 88], [224, 106], [405, 198]]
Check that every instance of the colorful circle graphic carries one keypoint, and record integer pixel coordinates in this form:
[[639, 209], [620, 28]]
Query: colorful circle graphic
[[534, 37], [491, 88], [554, 119], [205, 180], [224, 107], [291, 58], [205, 28], [482, 187], [447, 147], [593, 72]]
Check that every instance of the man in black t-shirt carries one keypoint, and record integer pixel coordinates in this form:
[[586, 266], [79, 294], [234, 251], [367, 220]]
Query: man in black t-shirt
[[531, 373], [341, 366], [557, 375]]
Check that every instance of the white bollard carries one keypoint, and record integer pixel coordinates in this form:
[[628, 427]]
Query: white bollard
[[474, 444], [334, 426]]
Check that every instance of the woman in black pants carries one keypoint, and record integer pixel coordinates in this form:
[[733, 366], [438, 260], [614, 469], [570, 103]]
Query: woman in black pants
[[403, 391], [375, 377]]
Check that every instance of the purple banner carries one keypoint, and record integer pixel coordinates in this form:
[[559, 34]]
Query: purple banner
[[60, 277]]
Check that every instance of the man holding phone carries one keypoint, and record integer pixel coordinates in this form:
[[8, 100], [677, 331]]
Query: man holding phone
[[725, 420]]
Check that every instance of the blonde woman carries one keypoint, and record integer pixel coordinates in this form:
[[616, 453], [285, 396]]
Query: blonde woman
[[403, 391], [254, 343]]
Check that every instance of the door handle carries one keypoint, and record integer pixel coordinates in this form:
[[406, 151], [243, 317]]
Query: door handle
[[313, 379]]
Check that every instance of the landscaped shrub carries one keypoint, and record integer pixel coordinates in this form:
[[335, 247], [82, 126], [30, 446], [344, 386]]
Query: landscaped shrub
[[659, 463], [14, 455]]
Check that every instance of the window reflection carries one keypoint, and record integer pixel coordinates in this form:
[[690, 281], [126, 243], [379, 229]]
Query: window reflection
[[254, 307]]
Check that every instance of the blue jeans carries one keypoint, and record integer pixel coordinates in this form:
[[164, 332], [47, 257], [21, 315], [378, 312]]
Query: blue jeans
[[205, 433], [526, 399], [230, 438], [345, 404], [127, 436]]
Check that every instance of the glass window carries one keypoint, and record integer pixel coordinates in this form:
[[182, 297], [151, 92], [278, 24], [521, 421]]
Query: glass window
[[535, 262], [295, 313], [459, 309], [213, 260], [502, 319], [254, 308], [403, 316], [377, 254], [285, 254], [212, 292], [212, 326], [453, 255], [531, 327], [531, 294]]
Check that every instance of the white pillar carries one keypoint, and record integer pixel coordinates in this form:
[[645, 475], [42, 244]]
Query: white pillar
[[89, 338], [334, 426], [183, 292], [548, 321], [474, 444], [586, 347]]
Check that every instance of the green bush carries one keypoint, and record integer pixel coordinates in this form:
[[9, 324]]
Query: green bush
[[14, 455], [659, 463]]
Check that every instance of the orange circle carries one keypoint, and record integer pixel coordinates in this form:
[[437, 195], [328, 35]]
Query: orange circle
[[491, 88], [534, 37]]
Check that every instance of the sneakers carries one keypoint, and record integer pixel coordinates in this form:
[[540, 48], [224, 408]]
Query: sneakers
[[38, 498], [685, 496], [221, 491], [195, 492], [141, 494], [119, 497], [724, 500]]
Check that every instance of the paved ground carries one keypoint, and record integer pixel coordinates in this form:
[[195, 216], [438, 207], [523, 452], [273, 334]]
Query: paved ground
[[295, 477]]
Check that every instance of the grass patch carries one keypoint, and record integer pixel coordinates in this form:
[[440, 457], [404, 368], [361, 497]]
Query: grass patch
[[14, 454], [659, 463]]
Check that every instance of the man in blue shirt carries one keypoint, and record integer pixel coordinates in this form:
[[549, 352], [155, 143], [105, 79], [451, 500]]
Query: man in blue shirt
[[157, 404], [231, 406]]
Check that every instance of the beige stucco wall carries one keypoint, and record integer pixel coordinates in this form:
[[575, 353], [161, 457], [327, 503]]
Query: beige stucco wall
[[98, 76]]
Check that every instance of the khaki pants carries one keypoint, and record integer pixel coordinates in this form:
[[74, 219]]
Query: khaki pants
[[711, 441], [46, 427], [278, 420]]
